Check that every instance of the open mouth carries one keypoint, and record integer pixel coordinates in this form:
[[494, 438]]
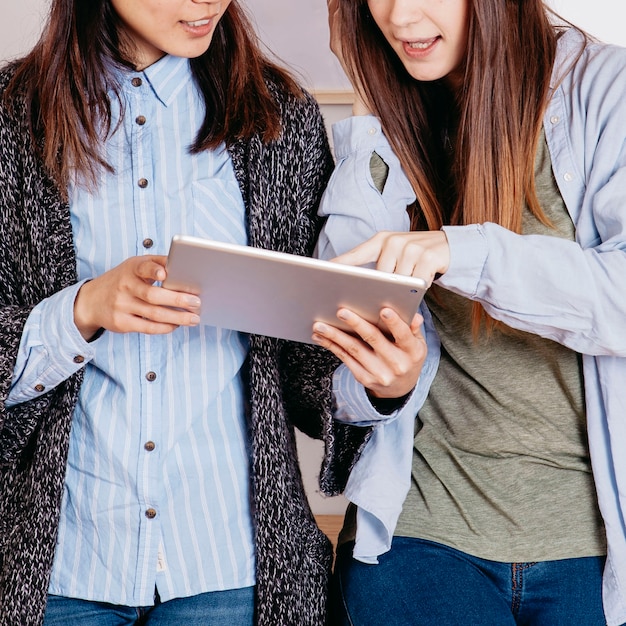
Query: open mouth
[[418, 48], [422, 44], [197, 23]]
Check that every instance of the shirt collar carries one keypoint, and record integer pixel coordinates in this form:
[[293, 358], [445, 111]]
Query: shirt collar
[[167, 77]]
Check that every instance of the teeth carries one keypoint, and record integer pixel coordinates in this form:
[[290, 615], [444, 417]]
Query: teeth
[[420, 45], [198, 23]]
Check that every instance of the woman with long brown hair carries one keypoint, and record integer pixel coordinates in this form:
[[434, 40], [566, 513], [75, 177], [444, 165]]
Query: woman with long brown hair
[[148, 464], [488, 147]]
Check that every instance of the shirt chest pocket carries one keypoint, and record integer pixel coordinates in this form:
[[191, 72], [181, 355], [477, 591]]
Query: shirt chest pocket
[[217, 210]]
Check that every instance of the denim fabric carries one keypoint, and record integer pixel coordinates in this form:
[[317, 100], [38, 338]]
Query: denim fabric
[[216, 608], [428, 584]]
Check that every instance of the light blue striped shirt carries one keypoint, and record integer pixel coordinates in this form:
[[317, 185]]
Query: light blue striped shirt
[[157, 487]]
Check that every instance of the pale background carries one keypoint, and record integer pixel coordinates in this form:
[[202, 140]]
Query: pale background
[[297, 32]]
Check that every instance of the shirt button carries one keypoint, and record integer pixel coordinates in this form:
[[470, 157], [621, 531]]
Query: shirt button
[[372, 131], [555, 119], [79, 358], [151, 376], [143, 182], [136, 82], [569, 177], [149, 446], [39, 388], [147, 242], [140, 120], [151, 513]]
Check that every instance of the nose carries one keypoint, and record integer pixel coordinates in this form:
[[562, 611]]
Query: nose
[[406, 12]]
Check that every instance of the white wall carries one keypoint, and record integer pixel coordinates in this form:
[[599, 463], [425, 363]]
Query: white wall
[[605, 19], [20, 24], [297, 32]]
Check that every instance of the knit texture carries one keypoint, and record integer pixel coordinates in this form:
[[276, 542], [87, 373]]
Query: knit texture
[[290, 383]]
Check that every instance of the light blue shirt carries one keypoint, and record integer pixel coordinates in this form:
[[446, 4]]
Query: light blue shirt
[[157, 486], [571, 292], [356, 211]]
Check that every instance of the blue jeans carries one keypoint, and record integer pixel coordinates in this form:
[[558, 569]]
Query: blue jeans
[[216, 608], [421, 583]]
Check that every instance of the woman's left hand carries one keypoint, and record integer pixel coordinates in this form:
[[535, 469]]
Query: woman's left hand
[[423, 254], [388, 366]]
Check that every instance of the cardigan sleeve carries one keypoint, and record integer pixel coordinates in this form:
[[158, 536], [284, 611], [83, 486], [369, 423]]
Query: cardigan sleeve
[[307, 370], [13, 309], [36, 260]]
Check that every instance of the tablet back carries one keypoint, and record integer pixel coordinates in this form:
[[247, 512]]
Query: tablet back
[[278, 294]]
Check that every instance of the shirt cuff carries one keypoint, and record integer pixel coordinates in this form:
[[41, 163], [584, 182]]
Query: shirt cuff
[[468, 256], [353, 405], [59, 332], [52, 348], [386, 406]]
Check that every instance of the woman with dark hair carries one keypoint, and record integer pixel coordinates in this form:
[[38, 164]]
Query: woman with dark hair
[[488, 147], [148, 463]]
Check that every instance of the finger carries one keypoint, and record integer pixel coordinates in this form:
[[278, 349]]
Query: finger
[[151, 268], [137, 324], [403, 334], [158, 304], [395, 359], [172, 316], [361, 375], [367, 252], [350, 344], [393, 256], [424, 254], [368, 332], [416, 325], [388, 373], [391, 356], [346, 348], [419, 261], [163, 297], [135, 315], [375, 354], [166, 307]]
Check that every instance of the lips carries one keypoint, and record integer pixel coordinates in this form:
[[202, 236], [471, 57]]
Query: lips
[[199, 28], [417, 48], [197, 23]]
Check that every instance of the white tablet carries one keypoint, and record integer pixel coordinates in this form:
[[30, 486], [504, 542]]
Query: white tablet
[[278, 294]]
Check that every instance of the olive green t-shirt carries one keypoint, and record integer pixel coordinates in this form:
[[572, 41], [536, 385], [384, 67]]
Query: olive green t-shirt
[[501, 465]]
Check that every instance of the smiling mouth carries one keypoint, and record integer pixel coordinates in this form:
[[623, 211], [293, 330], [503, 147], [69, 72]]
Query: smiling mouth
[[197, 23], [421, 45]]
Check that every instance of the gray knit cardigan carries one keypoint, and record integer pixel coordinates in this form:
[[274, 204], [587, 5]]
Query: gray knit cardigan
[[289, 384]]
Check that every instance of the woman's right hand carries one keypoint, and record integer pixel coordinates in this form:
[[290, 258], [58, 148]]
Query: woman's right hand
[[360, 105], [125, 299], [424, 254]]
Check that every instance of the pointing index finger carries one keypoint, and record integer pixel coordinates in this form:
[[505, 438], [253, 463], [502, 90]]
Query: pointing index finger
[[367, 252]]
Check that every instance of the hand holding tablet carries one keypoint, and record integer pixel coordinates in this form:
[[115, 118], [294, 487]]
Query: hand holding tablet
[[281, 295]]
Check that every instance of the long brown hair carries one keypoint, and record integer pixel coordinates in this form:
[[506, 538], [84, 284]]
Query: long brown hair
[[64, 84], [493, 121]]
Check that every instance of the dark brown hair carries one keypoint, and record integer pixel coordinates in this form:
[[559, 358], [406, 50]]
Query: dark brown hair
[[66, 78], [493, 120]]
